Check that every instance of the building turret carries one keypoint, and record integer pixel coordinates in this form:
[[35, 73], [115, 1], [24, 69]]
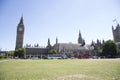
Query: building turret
[[80, 40], [48, 44], [56, 40], [116, 33]]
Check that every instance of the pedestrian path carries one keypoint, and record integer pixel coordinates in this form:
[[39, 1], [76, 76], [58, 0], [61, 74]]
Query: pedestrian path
[[1, 61]]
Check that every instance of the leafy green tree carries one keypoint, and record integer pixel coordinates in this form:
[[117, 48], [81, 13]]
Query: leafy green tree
[[109, 49], [118, 51], [99, 50], [19, 52], [52, 51], [10, 53]]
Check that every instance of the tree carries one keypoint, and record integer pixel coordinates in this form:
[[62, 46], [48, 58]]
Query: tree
[[52, 51], [99, 50], [109, 49], [20, 52], [10, 53]]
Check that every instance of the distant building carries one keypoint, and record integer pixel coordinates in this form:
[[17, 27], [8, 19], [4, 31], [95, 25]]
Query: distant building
[[68, 49], [98, 44], [3, 53], [116, 33], [20, 34], [39, 52], [73, 50]]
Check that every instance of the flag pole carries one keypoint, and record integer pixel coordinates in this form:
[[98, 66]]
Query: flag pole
[[115, 21]]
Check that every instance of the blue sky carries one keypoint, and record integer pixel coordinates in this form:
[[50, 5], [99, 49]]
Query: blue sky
[[45, 19]]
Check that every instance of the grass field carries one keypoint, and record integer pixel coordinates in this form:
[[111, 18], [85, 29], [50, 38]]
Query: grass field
[[76, 69]]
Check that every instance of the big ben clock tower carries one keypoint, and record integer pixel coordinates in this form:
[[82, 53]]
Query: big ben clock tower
[[20, 34]]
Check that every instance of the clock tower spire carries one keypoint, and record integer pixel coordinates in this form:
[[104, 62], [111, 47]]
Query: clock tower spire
[[20, 34], [21, 20]]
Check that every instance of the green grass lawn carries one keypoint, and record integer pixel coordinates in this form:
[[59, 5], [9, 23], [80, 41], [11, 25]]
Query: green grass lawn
[[76, 69]]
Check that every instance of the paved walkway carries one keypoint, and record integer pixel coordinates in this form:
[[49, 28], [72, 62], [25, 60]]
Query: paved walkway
[[3, 61]]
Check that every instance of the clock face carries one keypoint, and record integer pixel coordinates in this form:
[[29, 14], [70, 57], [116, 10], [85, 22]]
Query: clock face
[[20, 29]]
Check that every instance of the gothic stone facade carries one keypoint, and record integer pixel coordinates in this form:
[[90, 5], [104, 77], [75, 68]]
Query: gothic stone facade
[[36, 52], [20, 34], [73, 50], [68, 49], [116, 33]]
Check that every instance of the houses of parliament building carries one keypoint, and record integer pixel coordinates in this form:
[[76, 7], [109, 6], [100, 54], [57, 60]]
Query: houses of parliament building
[[67, 49]]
